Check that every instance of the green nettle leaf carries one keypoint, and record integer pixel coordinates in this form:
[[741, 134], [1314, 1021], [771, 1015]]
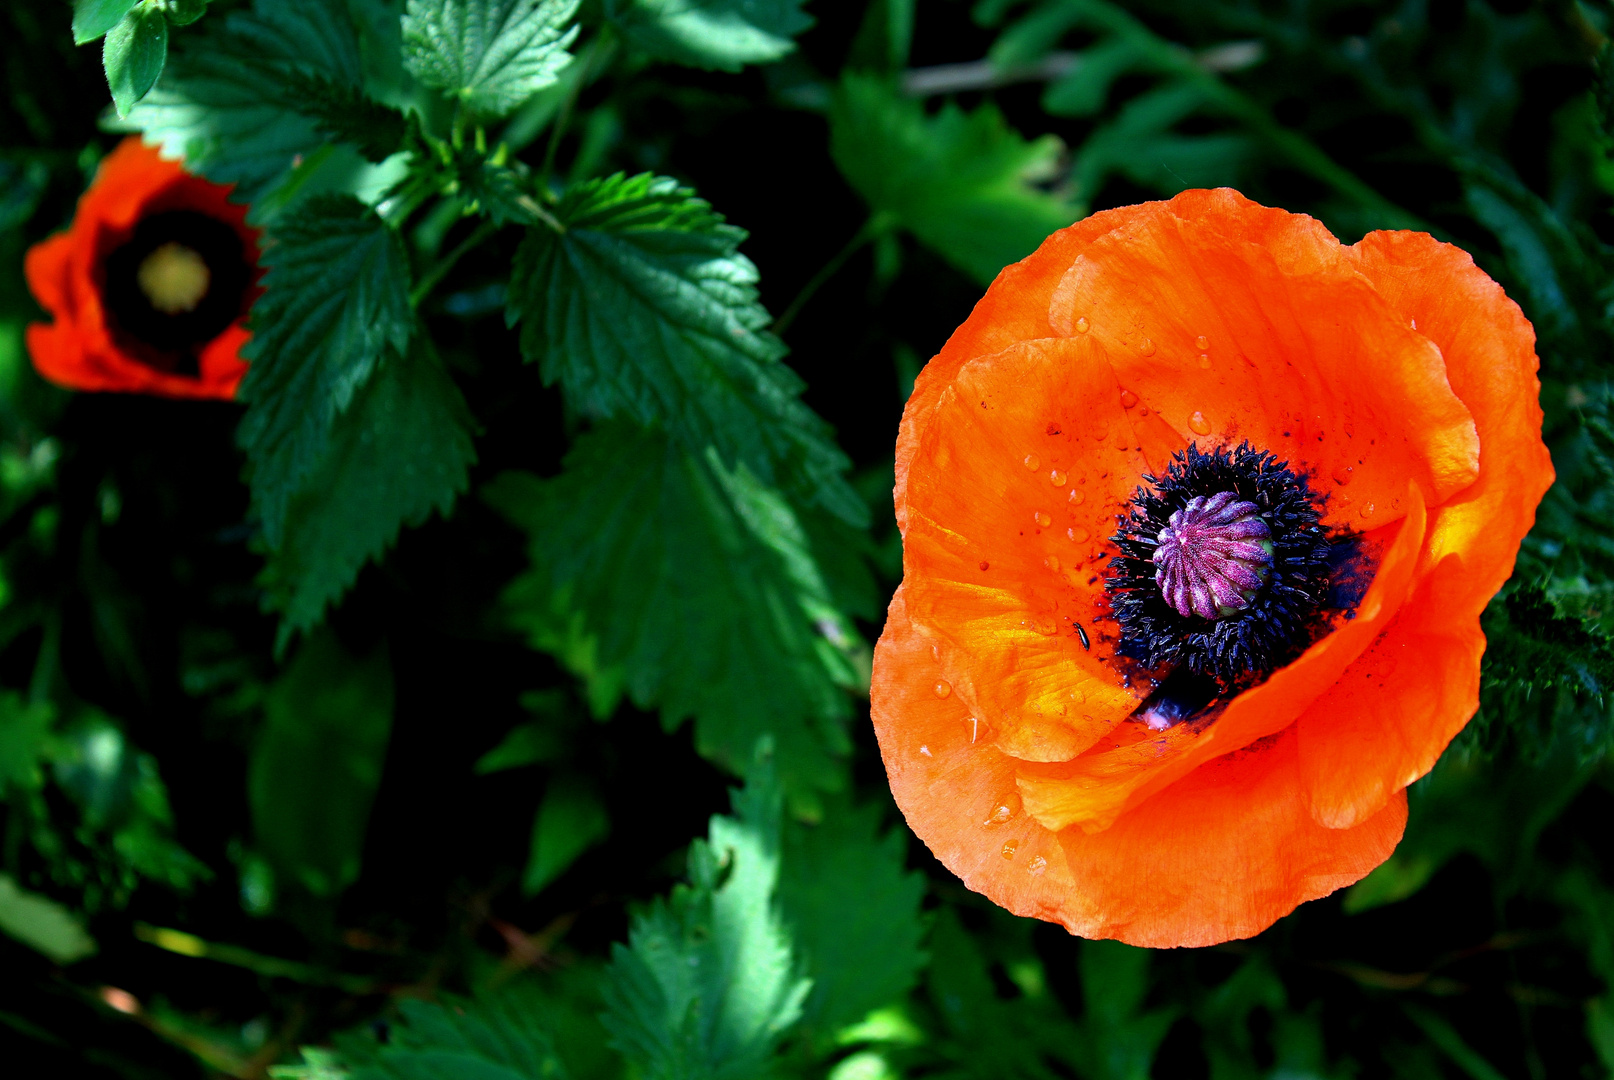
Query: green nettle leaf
[[234, 101], [401, 452], [317, 764], [707, 983], [964, 183], [499, 1036], [715, 34], [133, 55], [643, 308], [348, 114], [491, 54], [854, 910], [92, 18], [570, 820], [335, 307], [699, 585]]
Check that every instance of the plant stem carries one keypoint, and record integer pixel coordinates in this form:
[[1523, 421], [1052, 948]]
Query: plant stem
[[877, 224], [431, 278], [600, 45]]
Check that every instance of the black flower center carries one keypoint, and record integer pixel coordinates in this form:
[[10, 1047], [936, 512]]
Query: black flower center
[[1225, 572], [174, 286]]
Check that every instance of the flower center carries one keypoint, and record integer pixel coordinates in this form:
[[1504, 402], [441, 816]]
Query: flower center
[[1213, 556], [174, 278]]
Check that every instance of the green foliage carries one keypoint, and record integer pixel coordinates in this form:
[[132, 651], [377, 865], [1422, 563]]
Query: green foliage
[[93, 18], [964, 183], [643, 308], [571, 819], [708, 982], [317, 763], [699, 585], [42, 924], [497, 1037], [724, 35], [134, 54], [491, 54]]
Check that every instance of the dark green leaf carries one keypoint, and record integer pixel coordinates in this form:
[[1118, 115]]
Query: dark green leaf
[[133, 56], [698, 584], [92, 18], [854, 912], [570, 820], [401, 451], [22, 183], [42, 924], [964, 183], [643, 308], [347, 113], [721, 34], [707, 983], [23, 730], [491, 54], [227, 102], [318, 762], [500, 1036], [335, 308]]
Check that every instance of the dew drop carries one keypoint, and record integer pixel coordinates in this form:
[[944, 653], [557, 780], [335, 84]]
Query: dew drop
[[935, 652], [975, 730], [1367, 510], [1128, 399], [1202, 343], [925, 751], [1204, 361], [1037, 865], [1198, 424], [1342, 475], [1146, 347], [1008, 848], [1077, 496], [1042, 519], [1081, 325], [1052, 562], [1000, 815], [943, 689], [1056, 478], [1078, 534], [1032, 462]]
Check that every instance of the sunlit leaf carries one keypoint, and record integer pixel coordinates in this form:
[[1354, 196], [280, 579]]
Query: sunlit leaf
[[491, 54], [721, 34]]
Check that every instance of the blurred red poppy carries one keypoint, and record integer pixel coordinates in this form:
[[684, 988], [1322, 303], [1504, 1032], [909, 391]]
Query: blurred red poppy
[[149, 287]]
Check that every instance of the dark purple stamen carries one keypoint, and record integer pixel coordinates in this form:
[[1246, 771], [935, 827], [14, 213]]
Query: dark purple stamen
[[1213, 555]]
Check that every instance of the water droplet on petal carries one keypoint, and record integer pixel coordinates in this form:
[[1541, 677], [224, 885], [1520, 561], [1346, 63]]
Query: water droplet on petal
[[1078, 534], [925, 750], [1042, 519], [1204, 361], [1008, 848], [1198, 424], [1033, 462], [1056, 478], [943, 689], [1081, 326], [1202, 343], [1000, 815], [1036, 865], [1342, 476], [1052, 562], [1367, 510], [1128, 399], [1146, 347], [1077, 496]]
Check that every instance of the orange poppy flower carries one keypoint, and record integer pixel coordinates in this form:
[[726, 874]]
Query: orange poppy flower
[[1200, 509], [150, 286]]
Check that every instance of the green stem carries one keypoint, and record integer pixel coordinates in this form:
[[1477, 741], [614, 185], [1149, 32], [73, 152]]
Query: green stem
[[431, 278], [601, 45], [876, 225]]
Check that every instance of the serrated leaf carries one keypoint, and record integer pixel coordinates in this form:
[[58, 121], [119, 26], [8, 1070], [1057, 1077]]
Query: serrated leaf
[[571, 819], [491, 54], [228, 103], [133, 56], [400, 452], [707, 984], [963, 183], [317, 763], [500, 1036], [92, 18], [863, 953], [348, 114], [643, 308], [699, 585], [724, 35], [335, 306]]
